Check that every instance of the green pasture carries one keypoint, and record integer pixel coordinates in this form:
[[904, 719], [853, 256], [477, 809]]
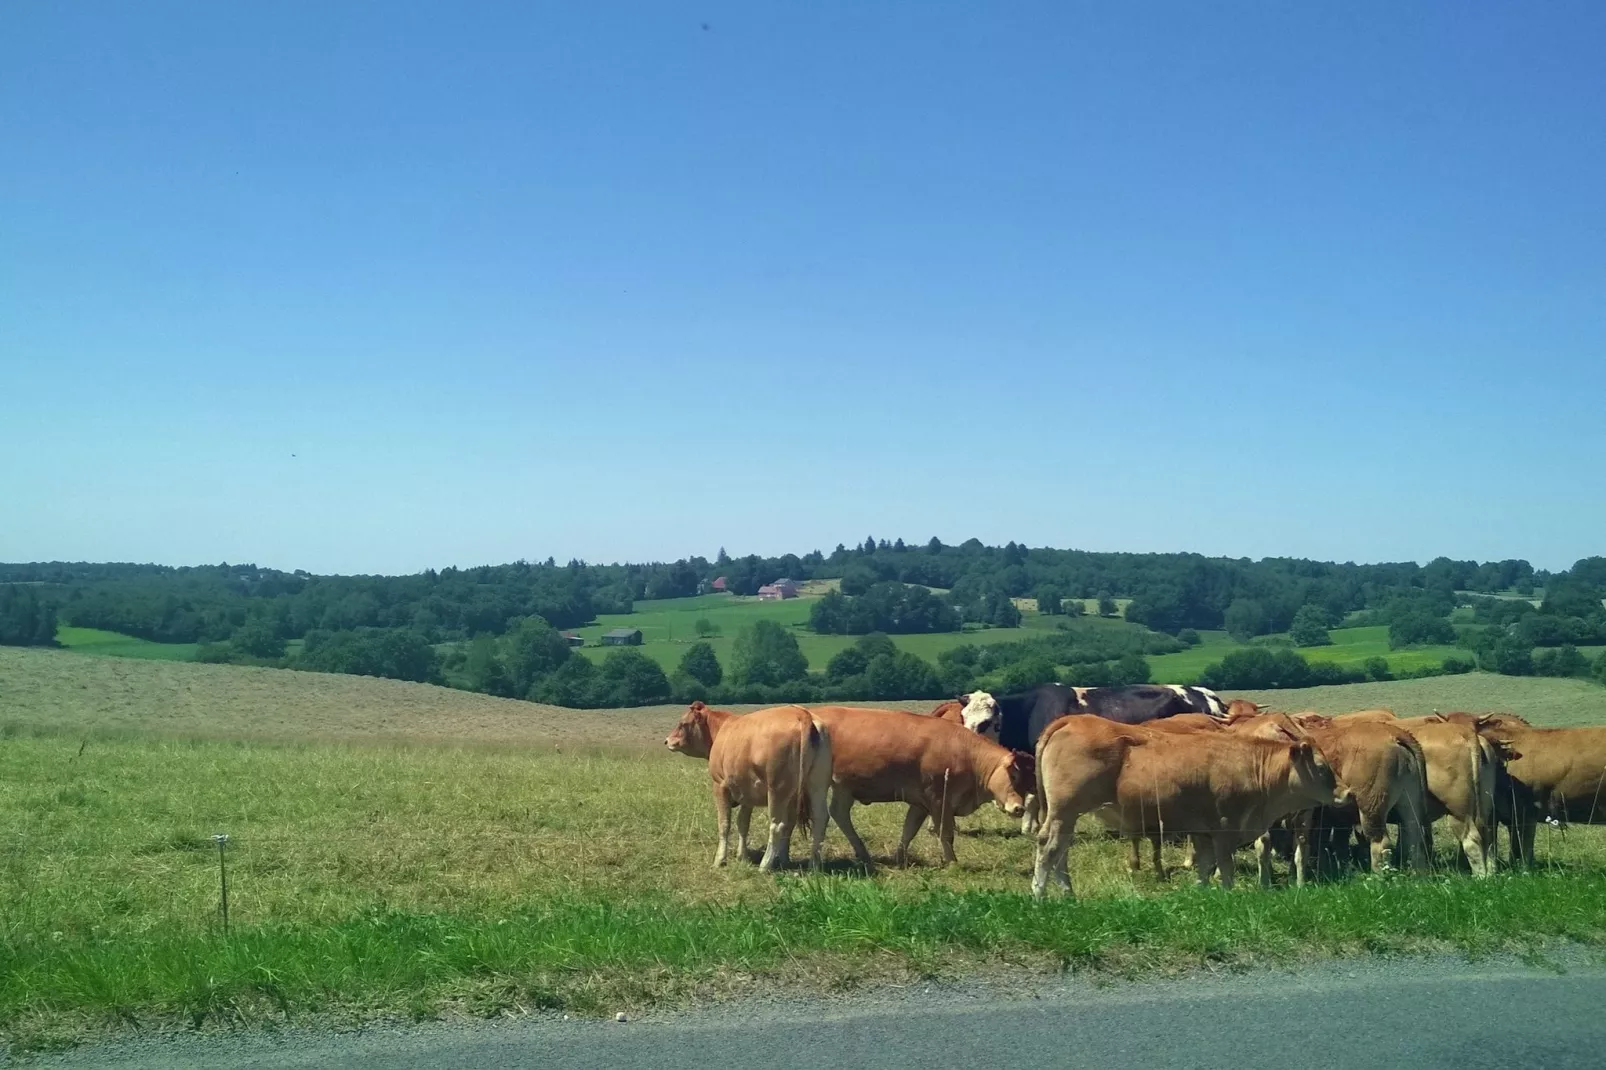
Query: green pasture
[[668, 626], [115, 644], [405, 876], [1350, 647]]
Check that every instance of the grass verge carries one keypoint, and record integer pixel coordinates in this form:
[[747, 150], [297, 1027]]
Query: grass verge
[[590, 955]]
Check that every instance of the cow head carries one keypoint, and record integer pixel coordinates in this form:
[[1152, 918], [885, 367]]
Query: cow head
[[691, 736], [1022, 775], [1241, 709], [1310, 775], [980, 713], [1505, 748], [1005, 783]]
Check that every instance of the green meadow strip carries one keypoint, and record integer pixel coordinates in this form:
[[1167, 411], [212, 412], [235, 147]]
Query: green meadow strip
[[571, 953]]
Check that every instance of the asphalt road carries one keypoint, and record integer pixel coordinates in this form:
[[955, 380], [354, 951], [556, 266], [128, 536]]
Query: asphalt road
[[1420, 1015]]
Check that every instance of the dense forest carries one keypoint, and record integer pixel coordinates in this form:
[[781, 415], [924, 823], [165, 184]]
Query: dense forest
[[504, 618]]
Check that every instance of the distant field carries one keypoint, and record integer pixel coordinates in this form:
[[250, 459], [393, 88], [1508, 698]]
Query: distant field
[[115, 644], [668, 626], [1543, 700], [1350, 647]]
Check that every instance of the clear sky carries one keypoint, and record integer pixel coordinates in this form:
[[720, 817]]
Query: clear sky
[[379, 287]]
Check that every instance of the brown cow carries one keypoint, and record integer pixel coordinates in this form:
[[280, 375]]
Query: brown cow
[[1556, 774], [1386, 770], [936, 766], [779, 758], [1461, 767], [1379, 714], [1224, 789], [1181, 724]]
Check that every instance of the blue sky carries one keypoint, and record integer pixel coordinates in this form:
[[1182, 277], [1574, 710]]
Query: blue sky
[[384, 287]]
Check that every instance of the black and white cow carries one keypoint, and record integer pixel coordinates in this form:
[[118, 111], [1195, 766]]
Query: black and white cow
[[1017, 720]]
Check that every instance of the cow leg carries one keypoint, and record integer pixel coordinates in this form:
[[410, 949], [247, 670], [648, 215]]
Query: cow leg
[[817, 819], [841, 813], [1053, 846], [1159, 861], [777, 848], [1224, 846], [1263, 858], [722, 816], [1135, 863], [1474, 843], [1523, 830], [1204, 857], [947, 838], [911, 826], [1030, 820], [744, 819], [1412, 853]]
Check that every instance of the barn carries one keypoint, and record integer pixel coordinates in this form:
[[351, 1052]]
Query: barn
[[622, 637], [774, 592]]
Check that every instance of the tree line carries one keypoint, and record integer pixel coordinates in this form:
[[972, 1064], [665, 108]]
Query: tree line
[[1168, 592], [248, 612]]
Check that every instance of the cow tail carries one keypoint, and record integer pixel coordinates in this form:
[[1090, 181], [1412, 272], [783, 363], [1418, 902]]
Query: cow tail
[[1038, 783], [1483, 774], [808, 743]]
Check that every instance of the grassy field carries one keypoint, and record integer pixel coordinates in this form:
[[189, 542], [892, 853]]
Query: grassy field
[[1350, 646], [669, 626], [115, 644], [400, 848]]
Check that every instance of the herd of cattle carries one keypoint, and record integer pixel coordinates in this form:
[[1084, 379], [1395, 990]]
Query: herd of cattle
[[1158, 763]]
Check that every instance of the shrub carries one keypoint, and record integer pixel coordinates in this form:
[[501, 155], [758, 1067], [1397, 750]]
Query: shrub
[[1309, 627], [1259, 667], [1417, 627], [765, 655], [1561, 661], [627, 677], [701, 664]]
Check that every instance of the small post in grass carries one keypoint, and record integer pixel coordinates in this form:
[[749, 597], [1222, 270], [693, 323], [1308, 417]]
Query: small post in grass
[[222, 841]]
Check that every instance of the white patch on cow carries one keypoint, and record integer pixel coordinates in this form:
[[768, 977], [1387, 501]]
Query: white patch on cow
[[1216, 707], [1181, 692], [980, 713], [1081, 695]]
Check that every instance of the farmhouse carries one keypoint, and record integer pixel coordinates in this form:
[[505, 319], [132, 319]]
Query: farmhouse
[[719, 585], [622, 637], [574, 640], [774, 592]]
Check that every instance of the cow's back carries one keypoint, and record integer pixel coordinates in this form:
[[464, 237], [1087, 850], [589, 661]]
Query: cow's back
[[760, 748], [1024, 717], [881, 755], [1565, 768]]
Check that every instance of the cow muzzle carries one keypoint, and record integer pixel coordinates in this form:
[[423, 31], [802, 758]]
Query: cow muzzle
[[1015, 809]]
